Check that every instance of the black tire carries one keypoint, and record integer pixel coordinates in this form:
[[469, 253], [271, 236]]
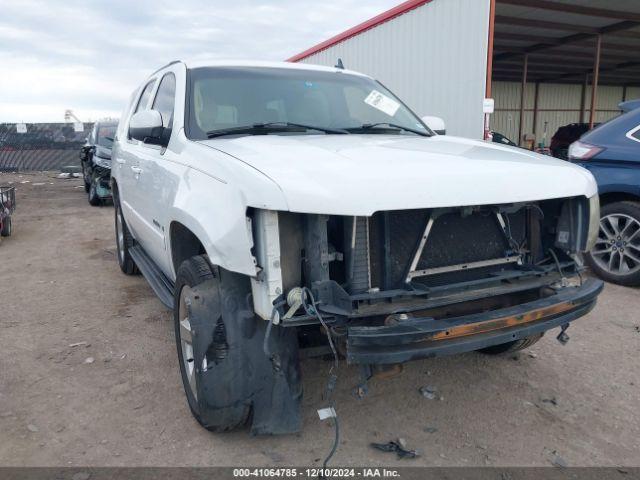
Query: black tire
[[512, 346], [124, 241], [236, 411], [630, 211], [6, 227], [94, 199]]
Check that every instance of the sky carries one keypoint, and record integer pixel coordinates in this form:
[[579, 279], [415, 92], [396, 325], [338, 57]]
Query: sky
[[88, 56]]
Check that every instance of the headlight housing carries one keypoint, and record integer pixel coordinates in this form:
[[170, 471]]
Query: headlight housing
[[594, 222], [583, 151]]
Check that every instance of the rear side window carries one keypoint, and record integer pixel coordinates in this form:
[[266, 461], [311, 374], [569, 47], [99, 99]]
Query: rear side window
[[144, 98], [635, 133], [165, 98]]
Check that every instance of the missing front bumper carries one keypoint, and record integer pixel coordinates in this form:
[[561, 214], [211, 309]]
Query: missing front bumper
[[427, 337]]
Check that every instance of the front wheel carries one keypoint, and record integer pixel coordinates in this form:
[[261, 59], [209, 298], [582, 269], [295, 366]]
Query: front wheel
[[5, 231], [94, 199], [124, 241], [234, 410], [232, 366], [616, 254]]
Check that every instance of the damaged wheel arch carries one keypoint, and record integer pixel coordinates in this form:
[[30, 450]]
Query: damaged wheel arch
[[234, 380]]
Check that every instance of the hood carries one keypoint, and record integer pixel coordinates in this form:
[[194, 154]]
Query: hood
[[362, 174]]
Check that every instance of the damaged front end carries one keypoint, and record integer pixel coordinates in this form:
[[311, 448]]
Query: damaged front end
[[101, 176], [409, 284]]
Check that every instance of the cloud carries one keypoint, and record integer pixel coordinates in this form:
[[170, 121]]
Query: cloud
[[89, 56]]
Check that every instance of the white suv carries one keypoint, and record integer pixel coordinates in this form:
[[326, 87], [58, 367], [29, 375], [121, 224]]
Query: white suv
[[273, 205]]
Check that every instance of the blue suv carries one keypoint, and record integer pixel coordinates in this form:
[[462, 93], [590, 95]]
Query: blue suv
[[611, 152]]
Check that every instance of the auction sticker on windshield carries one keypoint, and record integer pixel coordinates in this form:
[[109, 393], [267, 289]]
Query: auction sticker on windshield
[[382, 102]]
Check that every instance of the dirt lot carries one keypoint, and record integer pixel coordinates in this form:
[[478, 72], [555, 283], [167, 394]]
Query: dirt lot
[[115, 398]]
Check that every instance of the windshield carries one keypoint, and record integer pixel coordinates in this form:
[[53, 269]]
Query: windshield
[[105, 135], [226, 98]]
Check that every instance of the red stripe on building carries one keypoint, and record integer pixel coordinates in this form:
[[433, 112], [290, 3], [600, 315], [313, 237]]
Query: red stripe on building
[[358, 29]]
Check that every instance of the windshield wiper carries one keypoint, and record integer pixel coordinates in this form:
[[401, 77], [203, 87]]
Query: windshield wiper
[[394, 126], [308, 127], [271, 127]]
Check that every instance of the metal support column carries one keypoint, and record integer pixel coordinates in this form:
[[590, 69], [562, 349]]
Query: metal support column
[[594, 83], [489, 78], [583, 97], [535, 108], [525, 65]]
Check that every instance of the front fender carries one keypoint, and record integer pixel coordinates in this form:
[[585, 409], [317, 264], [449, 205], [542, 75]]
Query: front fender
[[216, 212], [615, 177]]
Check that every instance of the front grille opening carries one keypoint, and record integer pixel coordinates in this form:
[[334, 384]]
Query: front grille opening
[[379, 258], [483, 305], [456, 237], [470, 307]]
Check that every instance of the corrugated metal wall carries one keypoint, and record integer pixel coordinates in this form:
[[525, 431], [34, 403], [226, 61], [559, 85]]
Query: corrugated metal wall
[[558, 104], [433, 57]]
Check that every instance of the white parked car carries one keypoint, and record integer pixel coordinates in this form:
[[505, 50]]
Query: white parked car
[[271, 205]]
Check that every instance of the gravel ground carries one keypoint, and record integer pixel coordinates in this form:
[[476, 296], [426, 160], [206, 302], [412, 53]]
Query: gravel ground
[[88, 373]]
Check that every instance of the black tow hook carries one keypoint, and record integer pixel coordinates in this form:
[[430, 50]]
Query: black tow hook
[[362, 389], [562, 337]]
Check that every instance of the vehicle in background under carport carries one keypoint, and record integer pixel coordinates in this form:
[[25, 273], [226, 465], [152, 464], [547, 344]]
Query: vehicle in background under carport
[[611, 152], [564, 137]]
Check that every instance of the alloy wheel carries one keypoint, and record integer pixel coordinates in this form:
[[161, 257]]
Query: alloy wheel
[[186, 341], [617, 249], [120, 235]]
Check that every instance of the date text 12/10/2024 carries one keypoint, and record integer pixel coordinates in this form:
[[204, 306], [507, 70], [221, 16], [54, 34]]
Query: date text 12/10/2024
[[363, 472]]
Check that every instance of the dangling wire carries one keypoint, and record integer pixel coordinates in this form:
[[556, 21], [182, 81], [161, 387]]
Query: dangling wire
[[310, 306], [267, 335], [555, 259], [311, 309]]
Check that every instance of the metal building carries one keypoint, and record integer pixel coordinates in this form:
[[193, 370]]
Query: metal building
[[431, 53], [537, 58]]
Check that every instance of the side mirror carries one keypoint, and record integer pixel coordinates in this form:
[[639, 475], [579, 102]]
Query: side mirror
[[146, 126], [436, 124]]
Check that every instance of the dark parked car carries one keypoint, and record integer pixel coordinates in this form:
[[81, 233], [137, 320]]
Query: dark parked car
[[611, 153], [565, 136], [95, 159]]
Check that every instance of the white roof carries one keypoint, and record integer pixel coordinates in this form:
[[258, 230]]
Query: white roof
[[262, 64]]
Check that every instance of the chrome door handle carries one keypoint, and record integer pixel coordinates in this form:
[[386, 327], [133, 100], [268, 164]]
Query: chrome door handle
[[136, 170]]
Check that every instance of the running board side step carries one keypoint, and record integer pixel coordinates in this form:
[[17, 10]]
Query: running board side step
[[161, 285]]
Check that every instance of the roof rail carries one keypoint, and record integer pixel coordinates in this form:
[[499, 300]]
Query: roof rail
[[165, 66]]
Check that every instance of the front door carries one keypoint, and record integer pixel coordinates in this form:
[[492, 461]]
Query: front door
[[156, 184]]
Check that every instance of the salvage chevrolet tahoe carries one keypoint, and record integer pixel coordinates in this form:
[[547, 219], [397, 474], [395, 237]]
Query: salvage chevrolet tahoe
[[273, 205]]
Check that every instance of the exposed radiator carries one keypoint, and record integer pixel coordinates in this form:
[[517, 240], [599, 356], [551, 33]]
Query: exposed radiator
[[358, 262]]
